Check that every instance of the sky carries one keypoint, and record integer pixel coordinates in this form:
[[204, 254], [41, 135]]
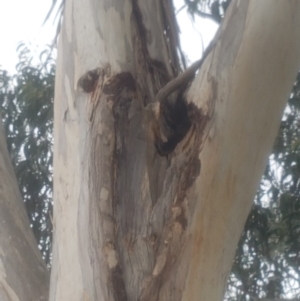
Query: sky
[[194, 34], [22, 21]]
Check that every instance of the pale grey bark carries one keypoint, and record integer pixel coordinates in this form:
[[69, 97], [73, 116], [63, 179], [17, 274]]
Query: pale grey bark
[[249, 85], [23, 273], [131, 224]]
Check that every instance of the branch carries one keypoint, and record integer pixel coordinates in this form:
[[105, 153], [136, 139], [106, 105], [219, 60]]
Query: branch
[[186, 76]]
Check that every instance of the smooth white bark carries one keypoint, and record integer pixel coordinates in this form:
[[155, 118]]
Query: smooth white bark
[[249, 77]]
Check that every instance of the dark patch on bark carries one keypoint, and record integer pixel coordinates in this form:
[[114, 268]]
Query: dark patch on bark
[[88, 81], [120, 91], [188, 175], [118, 284], [118, 82], [141, 27], [121, 88], [191, 170], [174, 123], [169, 123], [156, 164], [156, 168]]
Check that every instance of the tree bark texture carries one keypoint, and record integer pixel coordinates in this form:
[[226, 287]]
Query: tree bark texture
[[23, 273], [151, 197]]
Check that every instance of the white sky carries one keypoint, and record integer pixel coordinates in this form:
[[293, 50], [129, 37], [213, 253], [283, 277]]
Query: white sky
[[21, 21], [194, 35]]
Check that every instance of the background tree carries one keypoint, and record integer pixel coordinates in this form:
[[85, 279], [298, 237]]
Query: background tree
[[23, 273], [26, 101]]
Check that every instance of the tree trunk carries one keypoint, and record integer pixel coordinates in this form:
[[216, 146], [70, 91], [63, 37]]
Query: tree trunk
[[151, 193], [23, 273]]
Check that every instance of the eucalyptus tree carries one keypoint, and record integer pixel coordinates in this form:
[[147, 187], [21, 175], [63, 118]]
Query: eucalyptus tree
[[26, 100], [154, 176]]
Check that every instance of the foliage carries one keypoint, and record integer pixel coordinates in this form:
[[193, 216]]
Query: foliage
[[26, 101], [212, 9]]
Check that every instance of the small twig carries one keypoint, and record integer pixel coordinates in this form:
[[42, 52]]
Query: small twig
[[186, 76]]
